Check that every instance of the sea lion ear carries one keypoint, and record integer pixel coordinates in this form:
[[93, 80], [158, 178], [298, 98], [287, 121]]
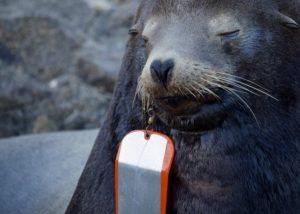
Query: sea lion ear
[[288, 21]]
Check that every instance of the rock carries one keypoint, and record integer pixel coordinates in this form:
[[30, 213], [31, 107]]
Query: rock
[[89, 73], [39, 173], [43, 124], [59, 61]]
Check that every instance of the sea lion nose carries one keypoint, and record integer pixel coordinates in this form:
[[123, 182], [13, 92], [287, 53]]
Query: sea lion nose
[[161, 71]]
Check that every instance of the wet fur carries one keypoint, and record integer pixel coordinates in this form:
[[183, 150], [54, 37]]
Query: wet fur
[[239, 167]]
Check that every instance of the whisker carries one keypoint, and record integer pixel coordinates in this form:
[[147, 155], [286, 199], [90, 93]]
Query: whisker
[[243, 86], [241, 78], [138, 92], [232, 91], [181, 91], [197, 90], [247, 106], [190, 92], [230, 82], [221, 86], [206, 89]]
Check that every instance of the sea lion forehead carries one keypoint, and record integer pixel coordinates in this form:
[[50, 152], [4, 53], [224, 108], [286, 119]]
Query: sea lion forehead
[[214, 23], [223, 22], [211, 16], [181, 7], [151, 26]]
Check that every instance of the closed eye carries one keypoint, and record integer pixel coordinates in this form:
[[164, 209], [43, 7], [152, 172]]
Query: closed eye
[[133, 31], [230, 34]]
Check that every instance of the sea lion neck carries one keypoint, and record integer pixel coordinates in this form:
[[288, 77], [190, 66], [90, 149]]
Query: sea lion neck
[[201, 164]]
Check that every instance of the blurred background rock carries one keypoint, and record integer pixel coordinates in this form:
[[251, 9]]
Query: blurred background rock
[[59, 61]]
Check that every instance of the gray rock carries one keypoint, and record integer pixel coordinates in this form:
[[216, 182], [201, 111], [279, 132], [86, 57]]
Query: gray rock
[[59, 61], [43, 124], [39, 173]]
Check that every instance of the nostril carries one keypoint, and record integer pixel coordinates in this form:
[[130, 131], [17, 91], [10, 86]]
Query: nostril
[[156, 67], [160, 71], [167, 67]]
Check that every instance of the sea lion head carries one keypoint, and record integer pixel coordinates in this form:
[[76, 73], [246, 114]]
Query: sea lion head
[[204, 61]]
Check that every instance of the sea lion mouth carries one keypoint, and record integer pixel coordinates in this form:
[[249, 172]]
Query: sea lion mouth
[[177, 105], [184, 105], [187, 113]]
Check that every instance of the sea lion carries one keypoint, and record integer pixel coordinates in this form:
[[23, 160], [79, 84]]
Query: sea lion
[[223, 80]]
